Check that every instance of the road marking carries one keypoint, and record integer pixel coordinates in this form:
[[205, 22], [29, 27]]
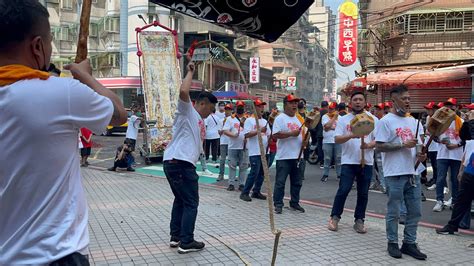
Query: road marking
[[102, 160], [97, 153], [379, 192]]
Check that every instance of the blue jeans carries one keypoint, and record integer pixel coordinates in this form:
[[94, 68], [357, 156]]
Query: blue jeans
[[398, 188], [443, 165], [330, 150], [255, 177], [238, 158], [349, 172], [432, 156], [283, 169], [183, 181], [223, 152], [378, 160]]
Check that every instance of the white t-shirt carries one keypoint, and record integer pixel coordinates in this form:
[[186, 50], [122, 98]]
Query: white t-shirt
[[288, 148], [328, 136], [224, 139], [395, 129], [232, 124], [252, 144], [132, 128], [468, 150], [351, 149], [220, 115], [188, 133], [453, 137], [212, 126], [43, 208], [434, 146]]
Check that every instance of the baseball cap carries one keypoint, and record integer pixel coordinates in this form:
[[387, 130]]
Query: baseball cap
[[332, 105], [470, 106], [380, 105], [221, 104], [369, 105], [259, 102], [388, 104], [324, 104], [440, 104], [452, 101], [229, 106], [239, 103], [341, 106], [430, 105], [290, 98]]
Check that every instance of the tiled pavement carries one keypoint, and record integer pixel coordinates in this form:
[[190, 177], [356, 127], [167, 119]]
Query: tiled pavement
[[129, 218]]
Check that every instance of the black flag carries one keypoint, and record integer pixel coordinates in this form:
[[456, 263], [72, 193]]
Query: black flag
[[266, 20]]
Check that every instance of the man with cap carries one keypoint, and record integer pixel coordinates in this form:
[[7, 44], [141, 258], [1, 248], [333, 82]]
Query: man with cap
[[237, 150], [433, 148], [450, 152], [331, 149], [317, 134], [287, 129], [388, 106], [224, 141], [379, 110], [255, 176]]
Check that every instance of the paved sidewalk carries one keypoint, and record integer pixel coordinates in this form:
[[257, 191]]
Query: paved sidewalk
[[129, 224]]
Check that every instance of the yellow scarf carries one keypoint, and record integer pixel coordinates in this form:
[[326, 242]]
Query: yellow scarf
[[332, 114], [10, 74]]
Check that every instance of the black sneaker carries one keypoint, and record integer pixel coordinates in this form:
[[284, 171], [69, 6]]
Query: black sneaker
[[324, 178], [423, 198], [394, 251], [191, 247], [112, 169], [245, 197], [259, 196], [278, 210], [174, 242], [413, 250], [130, 169], [297, 207], [241, 187], [447, 230], [231, 188]]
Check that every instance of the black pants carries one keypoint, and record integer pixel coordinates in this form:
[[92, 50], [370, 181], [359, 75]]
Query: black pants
[[183, 181], [320, 151], [74, 259], [432, 156], [462, 204], [213, 146]]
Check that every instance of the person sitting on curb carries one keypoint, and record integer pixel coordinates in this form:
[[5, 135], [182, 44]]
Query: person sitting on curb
[[123, 158]]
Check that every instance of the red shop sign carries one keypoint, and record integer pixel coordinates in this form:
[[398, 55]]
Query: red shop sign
[[347, 48]]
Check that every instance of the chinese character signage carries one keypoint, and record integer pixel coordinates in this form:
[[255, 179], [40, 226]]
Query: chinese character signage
[[291, 83], [347, 50], [254, 70], [233, 86]]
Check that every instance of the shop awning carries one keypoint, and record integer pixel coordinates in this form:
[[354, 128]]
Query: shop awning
[[233, 95], [418, 77]]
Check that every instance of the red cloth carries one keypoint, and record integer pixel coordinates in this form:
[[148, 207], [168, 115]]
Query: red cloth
[[273, 145], [86, 133]]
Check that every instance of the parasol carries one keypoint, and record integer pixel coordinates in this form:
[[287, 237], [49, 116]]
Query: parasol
[[266, 20]]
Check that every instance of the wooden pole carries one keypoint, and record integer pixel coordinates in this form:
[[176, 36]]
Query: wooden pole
[[81, 52]]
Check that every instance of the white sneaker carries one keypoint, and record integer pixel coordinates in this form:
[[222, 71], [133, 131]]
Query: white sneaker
[[207, 172], [449, 203], [433, 187], [446, 190], [438, 207]]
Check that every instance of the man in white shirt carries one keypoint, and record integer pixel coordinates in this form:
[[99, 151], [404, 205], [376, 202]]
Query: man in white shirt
[[212, 137], [179, 165], [395, 136], [331, 149], [132, 129], [224, 141], [351, 168], [43, 208], [255, 176], [238, 154], [287, 129], [221, 110], [449, 156]]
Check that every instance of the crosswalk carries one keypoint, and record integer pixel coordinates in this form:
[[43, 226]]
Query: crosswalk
[[206, 177]]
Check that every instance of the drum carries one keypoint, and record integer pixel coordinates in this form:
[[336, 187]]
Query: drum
[[362, 124], [312, 119], [440, 121]]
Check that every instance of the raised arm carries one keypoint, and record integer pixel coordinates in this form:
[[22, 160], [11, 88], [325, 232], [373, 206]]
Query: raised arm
[[82, 72], [186, 84]]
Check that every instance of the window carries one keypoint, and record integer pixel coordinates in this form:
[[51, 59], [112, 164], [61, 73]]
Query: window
[[152, 18], [277, 70], [112, 60], [279, 52], [67, 4], [93, 30], [62, 34], [94, 62], [174, 23], [111, 24]]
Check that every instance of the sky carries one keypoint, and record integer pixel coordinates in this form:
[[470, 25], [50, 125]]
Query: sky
[[341, 78]]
